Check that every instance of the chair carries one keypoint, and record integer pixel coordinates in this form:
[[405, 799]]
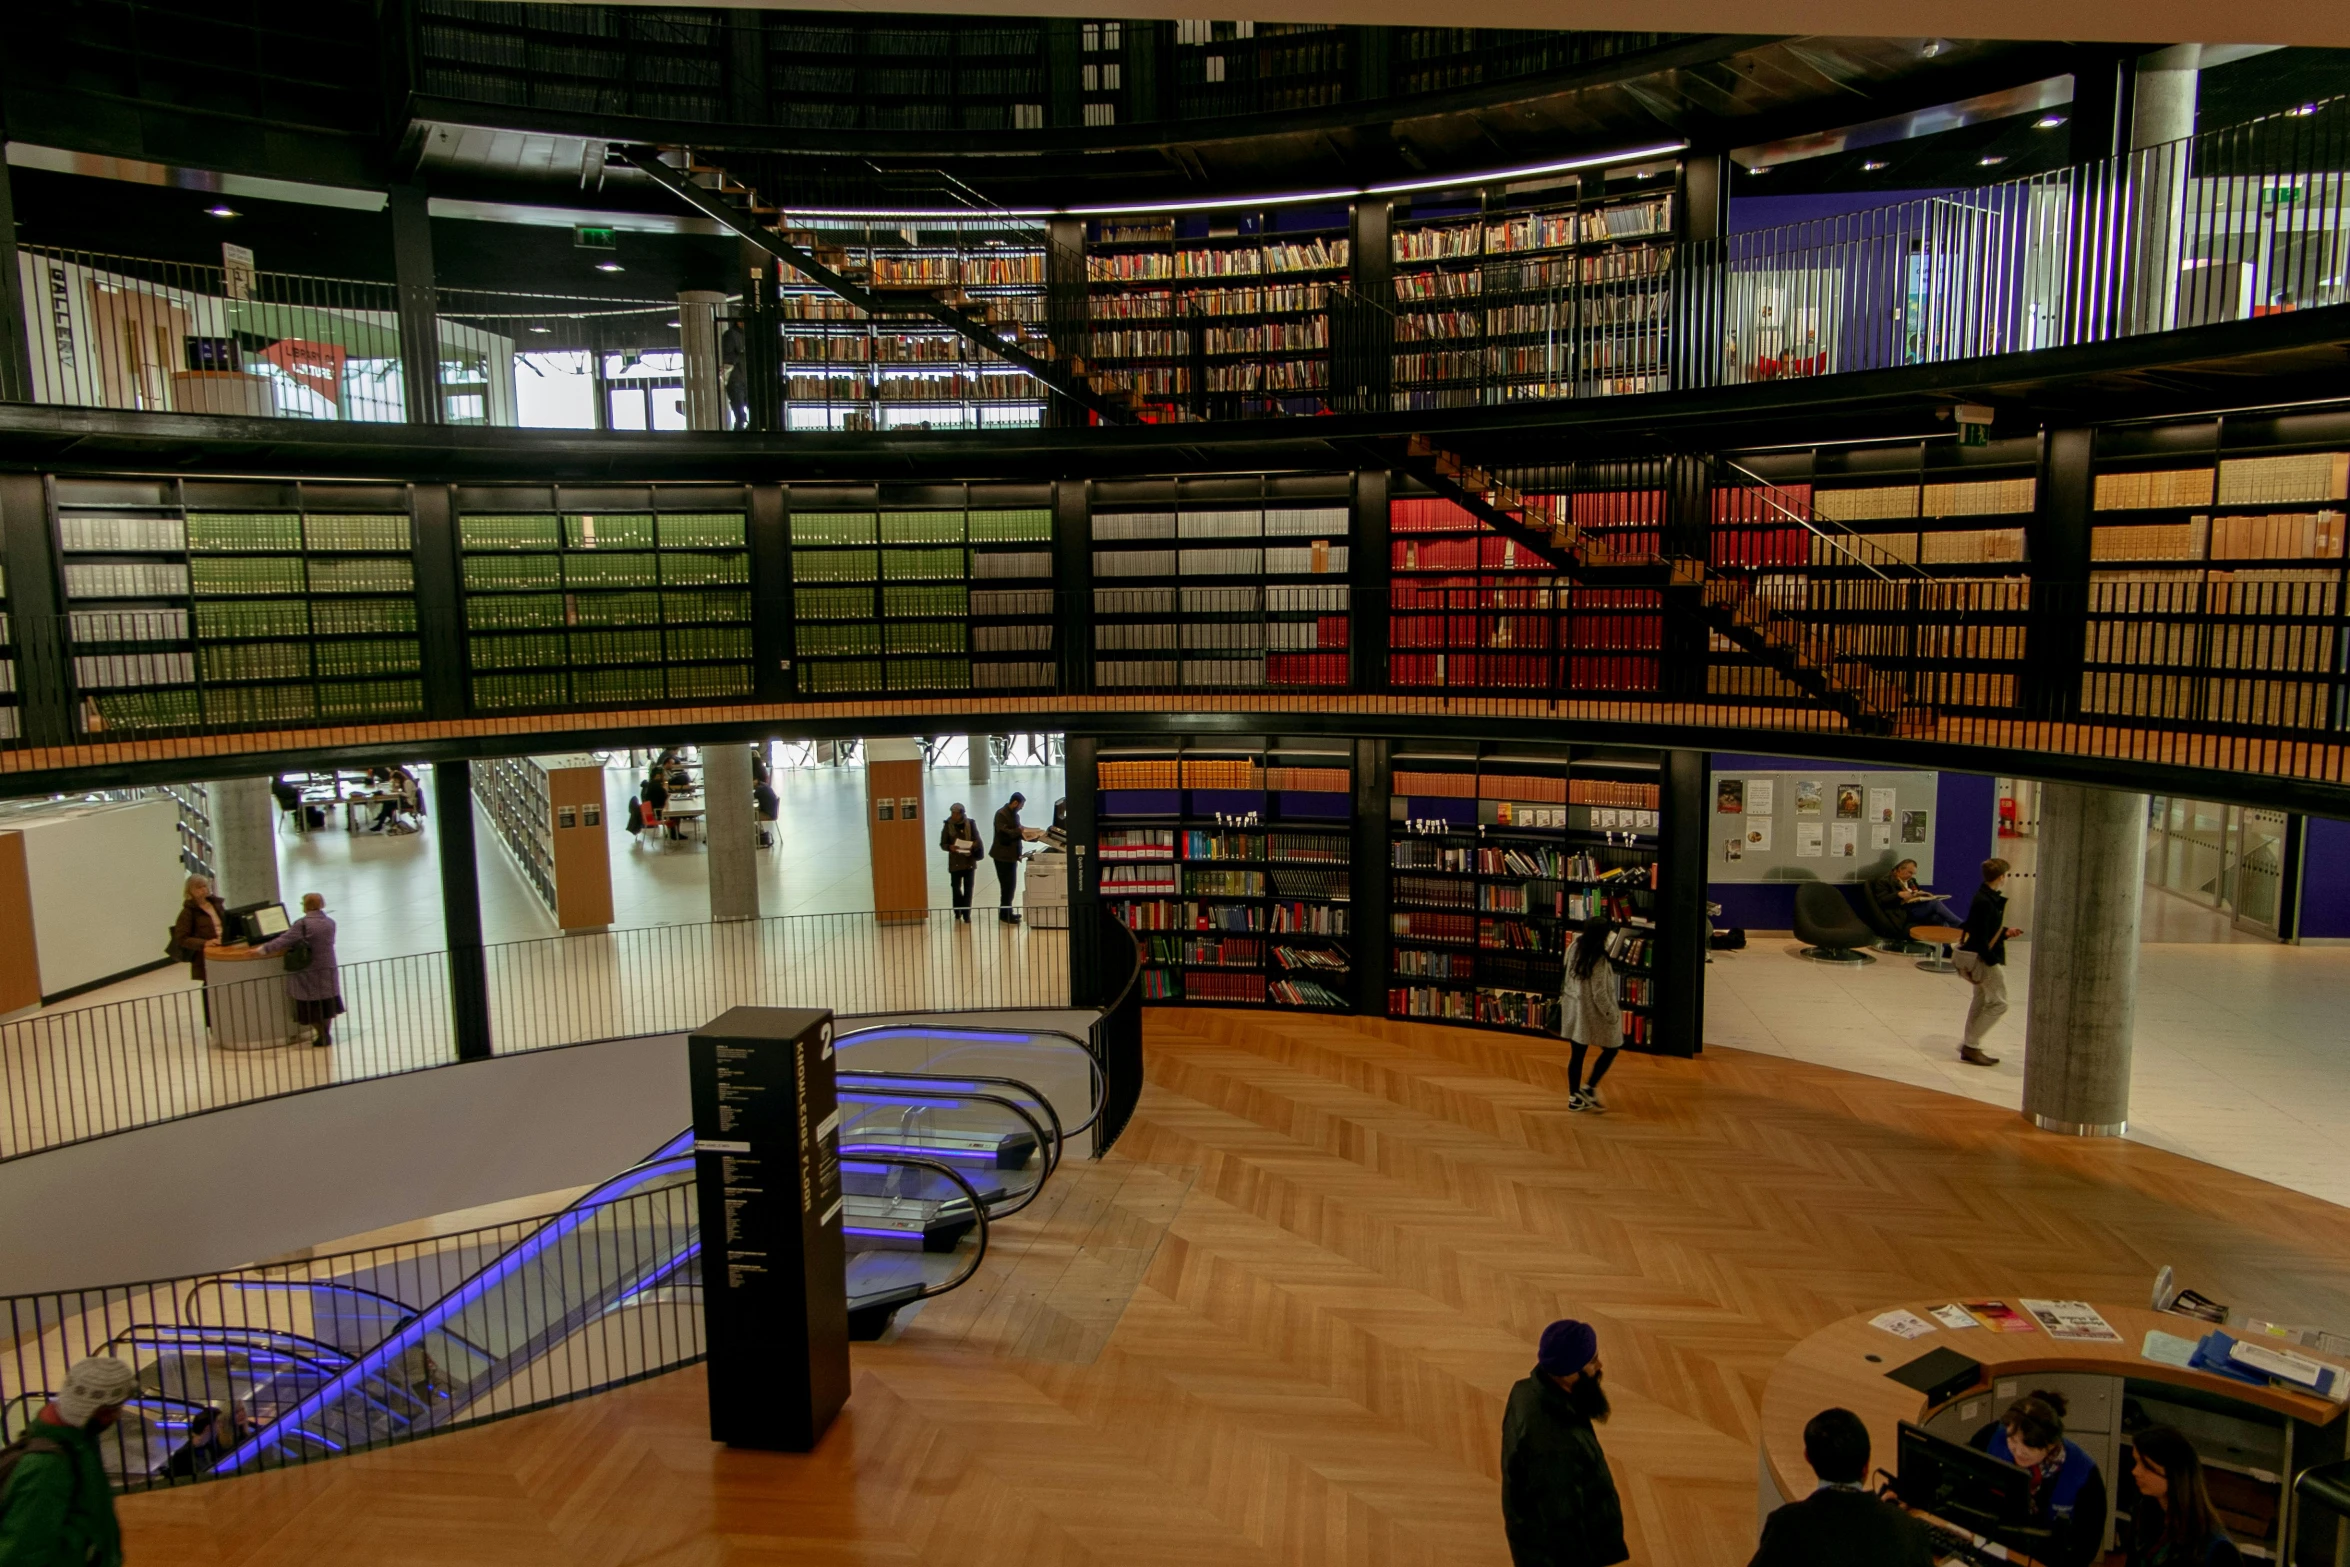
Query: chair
[[1826, 922], [1889, 921]]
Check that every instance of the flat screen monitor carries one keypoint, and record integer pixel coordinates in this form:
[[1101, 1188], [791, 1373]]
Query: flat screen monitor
[[1964, 1485], [266, 921]]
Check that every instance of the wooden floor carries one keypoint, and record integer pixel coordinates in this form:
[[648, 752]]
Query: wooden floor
[[1278, 1325]]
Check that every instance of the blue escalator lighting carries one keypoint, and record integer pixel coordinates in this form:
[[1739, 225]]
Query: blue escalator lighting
[[987, 1155], [309, 1436], [673, 1156], [993, 1037]]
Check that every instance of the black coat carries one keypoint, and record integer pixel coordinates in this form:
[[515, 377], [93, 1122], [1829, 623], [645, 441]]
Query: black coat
[[1008, 841], [1558, 1501], [1986, 926], [1832, 1527]]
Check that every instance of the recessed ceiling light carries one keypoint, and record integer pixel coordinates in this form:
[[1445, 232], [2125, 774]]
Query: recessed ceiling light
[[675, 323], [2048, 122], [1931, 48], [542, 329], [1992, 160], [224, 211], [2307, 108], [610, 266], [1760, 168], [1874, 164]]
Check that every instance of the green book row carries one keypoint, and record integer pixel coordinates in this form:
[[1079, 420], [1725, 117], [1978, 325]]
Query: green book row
[[898, 674], [380, 656], [601, 530], [993, 526], [225, 576], [710, 642], [236, 619], [832, 603], [220, 532], [615, 647], [146, 710], [924, 636], [555, 688], [945, 598], [818, 641], [555, 649], [362, 575], [255, 661], [857, 565], [511, 573], [547, 611], [360, 699]]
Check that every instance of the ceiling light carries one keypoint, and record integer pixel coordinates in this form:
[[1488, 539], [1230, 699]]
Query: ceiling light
[[610, 266], [2307, 108], [1991, 160], [2048, 122], [224, 212], [673, 323], [1761, 168], [1932, 47], [542, 329], [1874, 164]]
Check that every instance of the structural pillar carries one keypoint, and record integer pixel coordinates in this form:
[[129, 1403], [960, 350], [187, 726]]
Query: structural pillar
[[469, 986], [697, 338], [982, 758], [2162, 118], [16, 366], [419, 301], [2084, 992], [733, 835], [1682, 925], [244, 841]]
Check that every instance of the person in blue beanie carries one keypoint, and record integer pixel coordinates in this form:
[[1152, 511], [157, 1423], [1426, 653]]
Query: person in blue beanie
[[1558, 1501]]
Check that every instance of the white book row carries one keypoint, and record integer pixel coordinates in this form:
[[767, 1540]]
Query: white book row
[[122, 533], [145, 625], [1244, 523], [1134, 563], [1025, 563], [144, 579], [1223, 563], [103, 671], [1220, 635], [1011, 639], [1313, 561], [995, 676], [1125, 638], [1331, 600], [1015, 601]]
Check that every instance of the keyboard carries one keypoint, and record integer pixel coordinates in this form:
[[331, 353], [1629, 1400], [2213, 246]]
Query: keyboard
[[1949, 1545]]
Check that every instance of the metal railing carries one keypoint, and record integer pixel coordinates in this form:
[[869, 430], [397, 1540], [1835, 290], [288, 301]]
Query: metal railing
[[86, 1072]]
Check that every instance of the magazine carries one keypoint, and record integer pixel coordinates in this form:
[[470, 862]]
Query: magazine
[[2075, 1321], [1999, 1316]]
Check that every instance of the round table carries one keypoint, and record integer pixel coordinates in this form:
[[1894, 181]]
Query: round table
[[1943, 936]]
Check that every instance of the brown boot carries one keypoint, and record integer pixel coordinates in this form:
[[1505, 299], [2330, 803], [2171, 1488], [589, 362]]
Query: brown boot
[[1975, 1057]]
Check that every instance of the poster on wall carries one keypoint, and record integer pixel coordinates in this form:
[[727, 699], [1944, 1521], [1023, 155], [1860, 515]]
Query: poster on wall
[[1733, 848], [1844, 840], [1758, 796], [1913, 827], [1880, 835], [1848, 802], [1880, 805], [1807, 797], [1730, 796], [1807, 840], [1758, 834]]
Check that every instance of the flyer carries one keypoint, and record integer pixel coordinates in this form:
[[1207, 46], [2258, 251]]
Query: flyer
[[1758, 833], [1844, 840], [1733, 848], [1807, 797], [1913, 827], [1848, 802], [1758, 796], [1807, 840], [1902, 1324], [2073, 1320], [1880, 805], [1880, 836], [1999, 1316], [1730, 796], [1953, 1317]]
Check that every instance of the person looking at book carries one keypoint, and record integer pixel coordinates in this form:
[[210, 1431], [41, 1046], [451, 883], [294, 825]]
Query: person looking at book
[[960, 838], [1590, 1015], [1982, 958], [2068, 1493], [1005, 848], [1897, 892], [2172, 1523]]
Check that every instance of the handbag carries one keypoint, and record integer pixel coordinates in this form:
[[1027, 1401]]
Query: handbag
[[297, 957]]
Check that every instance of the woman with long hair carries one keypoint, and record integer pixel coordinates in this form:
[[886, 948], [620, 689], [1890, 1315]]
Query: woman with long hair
[[1590, 1015], [2173, 1524]]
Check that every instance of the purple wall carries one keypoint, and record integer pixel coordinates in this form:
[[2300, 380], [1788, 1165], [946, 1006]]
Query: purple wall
[[1963, 808], [2325, 879], [1748, 213]]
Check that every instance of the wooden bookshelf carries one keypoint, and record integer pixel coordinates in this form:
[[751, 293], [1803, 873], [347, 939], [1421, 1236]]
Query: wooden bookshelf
[[549, 812]]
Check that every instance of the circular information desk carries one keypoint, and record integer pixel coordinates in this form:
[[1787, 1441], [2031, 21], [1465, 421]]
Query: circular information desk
[[245, 996], [2253, 1431]]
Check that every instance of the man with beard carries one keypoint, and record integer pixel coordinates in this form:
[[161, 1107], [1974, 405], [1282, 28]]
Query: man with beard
[[1558, 1501]]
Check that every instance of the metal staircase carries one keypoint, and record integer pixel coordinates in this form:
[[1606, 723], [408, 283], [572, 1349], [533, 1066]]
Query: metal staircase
[[708, 188]]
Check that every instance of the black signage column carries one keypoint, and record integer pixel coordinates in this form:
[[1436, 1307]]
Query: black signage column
[[775, 1315]]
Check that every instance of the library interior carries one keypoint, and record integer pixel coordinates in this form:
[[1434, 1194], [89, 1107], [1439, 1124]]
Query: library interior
[[1122, 690]]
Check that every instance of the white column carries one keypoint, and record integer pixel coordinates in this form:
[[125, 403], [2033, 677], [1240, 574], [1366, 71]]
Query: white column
[[2162, 117], [244, 841], [982, 759], [733, 838]]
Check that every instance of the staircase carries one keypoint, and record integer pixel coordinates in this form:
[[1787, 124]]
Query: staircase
[[709, 189]]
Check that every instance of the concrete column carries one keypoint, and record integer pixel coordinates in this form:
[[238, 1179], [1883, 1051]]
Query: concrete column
[[2162, 116], [697, 336], [983, 759], [2084, 994], [733, 846], [244, 841]]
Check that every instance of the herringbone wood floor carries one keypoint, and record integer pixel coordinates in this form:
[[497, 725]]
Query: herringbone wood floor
[[1334, 1241]]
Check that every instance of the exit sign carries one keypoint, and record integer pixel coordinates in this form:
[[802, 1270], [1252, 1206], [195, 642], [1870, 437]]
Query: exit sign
[[590, 237]]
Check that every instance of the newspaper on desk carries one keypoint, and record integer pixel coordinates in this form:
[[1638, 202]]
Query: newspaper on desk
[[2075, 1321]]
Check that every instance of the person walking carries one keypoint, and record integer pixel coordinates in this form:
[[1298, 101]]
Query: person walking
[[1005, 851], [1558, 1501], [960, 838], [1591, 1016], [316, 987], [57, 1504], [1982, 958]]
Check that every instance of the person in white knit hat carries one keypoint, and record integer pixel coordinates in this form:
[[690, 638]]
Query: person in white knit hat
[[56, 1504]]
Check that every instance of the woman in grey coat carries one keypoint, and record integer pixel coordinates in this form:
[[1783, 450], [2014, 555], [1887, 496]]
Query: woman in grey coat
[[317, 990], [1589, 1012]]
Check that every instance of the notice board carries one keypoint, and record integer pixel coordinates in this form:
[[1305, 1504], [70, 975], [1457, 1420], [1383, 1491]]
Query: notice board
[[1823, 823]]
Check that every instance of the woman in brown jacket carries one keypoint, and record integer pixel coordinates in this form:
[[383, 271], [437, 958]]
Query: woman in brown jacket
[[960, 838], [203, 919]]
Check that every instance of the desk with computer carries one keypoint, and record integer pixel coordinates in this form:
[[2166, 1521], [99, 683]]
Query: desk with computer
[[1928, 1387]]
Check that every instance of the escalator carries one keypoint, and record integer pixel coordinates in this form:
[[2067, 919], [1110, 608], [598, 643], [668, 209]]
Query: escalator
[[608, 1289]]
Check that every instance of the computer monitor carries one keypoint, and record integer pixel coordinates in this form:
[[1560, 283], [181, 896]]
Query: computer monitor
[[262, 920], [1965, 1486]]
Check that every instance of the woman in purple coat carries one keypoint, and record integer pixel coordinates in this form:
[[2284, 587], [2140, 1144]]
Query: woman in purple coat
[[317, 990]]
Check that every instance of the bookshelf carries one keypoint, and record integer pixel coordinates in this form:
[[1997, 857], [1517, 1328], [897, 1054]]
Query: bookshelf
[[194, 801], [2216, 585], [1558, 288], [1228, 857], [1229, 315], [1497, 855], [845, 369], [922, 588], [626, 596], [1234, 583], [549, 812]]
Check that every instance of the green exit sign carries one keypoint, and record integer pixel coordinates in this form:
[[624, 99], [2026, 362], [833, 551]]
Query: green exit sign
[[587, 236]]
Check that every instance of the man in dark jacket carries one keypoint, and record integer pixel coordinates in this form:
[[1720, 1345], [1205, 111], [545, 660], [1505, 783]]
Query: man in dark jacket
[[1841, 1521], [1982, 958], [1005, 851], [58, 1504], [1558, 1501]]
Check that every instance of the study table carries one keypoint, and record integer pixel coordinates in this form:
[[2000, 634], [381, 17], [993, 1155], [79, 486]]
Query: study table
[[1847, 1365]]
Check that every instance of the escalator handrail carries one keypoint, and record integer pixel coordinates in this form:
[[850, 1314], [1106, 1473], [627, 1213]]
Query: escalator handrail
[[946, 1083], [1099, 1085], [978, 1213], [407, 1312], [166, 1335], [1033, 1125]]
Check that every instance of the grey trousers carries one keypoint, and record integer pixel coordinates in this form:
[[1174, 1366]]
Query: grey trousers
[[1987, 1003]]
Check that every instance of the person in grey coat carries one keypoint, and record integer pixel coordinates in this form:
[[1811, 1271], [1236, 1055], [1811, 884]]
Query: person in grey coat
[[1590, 1015], [317, 990]]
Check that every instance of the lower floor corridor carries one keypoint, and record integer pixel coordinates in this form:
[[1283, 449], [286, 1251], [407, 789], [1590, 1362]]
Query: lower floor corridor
[[1278, 1323]]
